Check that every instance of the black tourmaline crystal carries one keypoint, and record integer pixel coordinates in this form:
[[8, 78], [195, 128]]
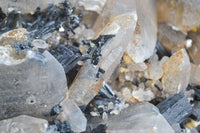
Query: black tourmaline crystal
[[53, 19], [175, 108], [96, 46], [68, 56], [62, 127], [44, 22]]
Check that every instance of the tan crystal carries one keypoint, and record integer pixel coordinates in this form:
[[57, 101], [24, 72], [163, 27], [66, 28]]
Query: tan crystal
[[194, 50], [13, 36], [195, 75], [172, 40], [176, 73], [86, 85], [182, 14]]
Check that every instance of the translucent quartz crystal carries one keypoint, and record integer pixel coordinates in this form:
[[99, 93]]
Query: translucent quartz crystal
[[39, 44], [92, 5], [30, 85], [170, 39], [154, 70], [195, 75], [111, 10], [143, 95], [140, 118], [23, 124], [143, 39], [145, 35], [127, 96], [136, 66], [72, 113], [176, 73], [86, 85], [182, 14], [26, 6]]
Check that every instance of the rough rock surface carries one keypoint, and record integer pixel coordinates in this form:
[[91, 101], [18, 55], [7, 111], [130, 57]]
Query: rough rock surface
[[140, 118], [32, 85], [23, 124], [176, 73], [13, 36]]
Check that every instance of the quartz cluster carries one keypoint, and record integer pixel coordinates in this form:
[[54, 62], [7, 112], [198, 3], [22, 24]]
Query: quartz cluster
[[119, 66]]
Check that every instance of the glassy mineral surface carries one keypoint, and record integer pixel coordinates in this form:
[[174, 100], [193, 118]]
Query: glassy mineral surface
[[176, 73], [23, 124], [140, 118], [30, 84]]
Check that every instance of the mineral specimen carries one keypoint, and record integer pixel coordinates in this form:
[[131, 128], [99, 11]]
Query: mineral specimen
[[195, 75], [72, 113], [176, 73], [143, 95], [92, 5], [111, 55], [27, 81], [39, 44], [25, 6], [194, 51], [181, 14], [175, 108], [154, 70], [140, 118], [172, 40], [51, 20], [111, 10], [59, 127], [161, 51], [142, 45], [13, 36], [23, 124], [68, 56]]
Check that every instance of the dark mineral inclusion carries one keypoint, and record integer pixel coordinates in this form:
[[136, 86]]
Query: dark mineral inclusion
[[42, 22]]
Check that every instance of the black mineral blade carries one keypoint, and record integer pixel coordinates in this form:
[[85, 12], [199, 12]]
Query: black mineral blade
[[175, 108], [68, 56], [95, 51]]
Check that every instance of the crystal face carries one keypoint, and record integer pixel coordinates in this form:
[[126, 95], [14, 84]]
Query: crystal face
[[176, 73], [27, 84]]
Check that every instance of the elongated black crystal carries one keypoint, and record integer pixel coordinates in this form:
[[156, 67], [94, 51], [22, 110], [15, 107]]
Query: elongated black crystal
[[175, 108]]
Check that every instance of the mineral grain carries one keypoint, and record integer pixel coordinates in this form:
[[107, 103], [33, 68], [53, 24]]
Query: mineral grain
[[23, 124], [176, 73], [30, 85]]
